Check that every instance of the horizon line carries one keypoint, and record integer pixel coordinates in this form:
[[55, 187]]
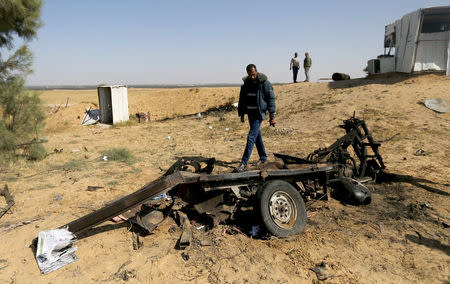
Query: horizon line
[[143, 86]]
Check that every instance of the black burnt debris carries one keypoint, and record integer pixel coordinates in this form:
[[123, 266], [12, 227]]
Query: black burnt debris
[[274, 194]]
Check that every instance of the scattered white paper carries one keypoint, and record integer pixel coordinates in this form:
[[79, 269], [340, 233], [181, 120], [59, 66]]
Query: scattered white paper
[[55, 249]]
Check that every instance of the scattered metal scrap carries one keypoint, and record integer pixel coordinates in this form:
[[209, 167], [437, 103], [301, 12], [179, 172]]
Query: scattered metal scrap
[[93, 188], [7, 228], [276, 191], [186, 235], [91, 116], [420, 152], [3, 261], [9, 200], [438, 105], [321, 271], [143, 116]]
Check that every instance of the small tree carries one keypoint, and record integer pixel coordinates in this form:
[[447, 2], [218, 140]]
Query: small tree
[[21, 115]]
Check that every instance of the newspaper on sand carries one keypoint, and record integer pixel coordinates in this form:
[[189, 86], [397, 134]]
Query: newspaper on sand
[[55, 249]]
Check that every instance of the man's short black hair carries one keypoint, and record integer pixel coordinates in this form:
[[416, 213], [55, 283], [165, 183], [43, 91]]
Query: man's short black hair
[[250, 67]]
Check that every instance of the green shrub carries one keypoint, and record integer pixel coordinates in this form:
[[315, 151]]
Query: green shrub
[[22, 118], [21, 114], [36, 152]]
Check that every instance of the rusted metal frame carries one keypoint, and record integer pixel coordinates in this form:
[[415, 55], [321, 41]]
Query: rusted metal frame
[[186, 234], [254, 177], [363, 165], [361, 152], [125, 203], [164, 184], [255, 174], [343, 142], [193, 161], [360, 148], [230, 177], [374, 145], [209, 204], [297, 173], [287, 159], [325, 186]]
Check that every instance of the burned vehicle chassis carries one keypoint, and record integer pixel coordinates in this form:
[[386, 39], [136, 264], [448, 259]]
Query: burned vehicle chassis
[[278, 189]]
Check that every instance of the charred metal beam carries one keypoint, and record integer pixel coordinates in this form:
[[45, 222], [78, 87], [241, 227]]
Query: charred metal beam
[[186, 234], [260, 176], [121, 205], [165, 183], [292, 160]]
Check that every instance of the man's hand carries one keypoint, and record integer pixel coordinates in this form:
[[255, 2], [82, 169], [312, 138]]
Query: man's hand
[[272, 122], [242, 118]]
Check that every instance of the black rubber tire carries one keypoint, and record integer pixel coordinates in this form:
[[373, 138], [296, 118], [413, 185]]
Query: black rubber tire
[[287, 192], [340, 76]]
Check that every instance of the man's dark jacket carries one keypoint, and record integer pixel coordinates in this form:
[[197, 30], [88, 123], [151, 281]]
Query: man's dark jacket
[[265, 97]]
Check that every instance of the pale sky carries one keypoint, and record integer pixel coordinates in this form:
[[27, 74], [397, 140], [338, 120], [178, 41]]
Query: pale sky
[[90, 42]]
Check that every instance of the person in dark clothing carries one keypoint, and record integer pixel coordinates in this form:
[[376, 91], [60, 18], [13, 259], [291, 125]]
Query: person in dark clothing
[[255, 99], [295, 66]]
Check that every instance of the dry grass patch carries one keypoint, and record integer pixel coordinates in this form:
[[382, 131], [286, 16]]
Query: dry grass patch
[[120, 155], [73, 165]]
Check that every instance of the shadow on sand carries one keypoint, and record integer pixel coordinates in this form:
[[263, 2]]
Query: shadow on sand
[[430, 243], [419, 182]]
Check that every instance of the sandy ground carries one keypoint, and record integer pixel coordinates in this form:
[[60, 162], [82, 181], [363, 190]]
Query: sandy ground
[[398, 238]]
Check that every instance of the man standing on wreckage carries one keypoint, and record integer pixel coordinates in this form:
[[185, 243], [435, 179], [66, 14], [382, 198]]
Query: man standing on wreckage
[[255, 99]]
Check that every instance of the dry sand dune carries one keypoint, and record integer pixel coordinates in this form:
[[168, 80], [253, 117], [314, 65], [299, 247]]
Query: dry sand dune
[[398, 238]]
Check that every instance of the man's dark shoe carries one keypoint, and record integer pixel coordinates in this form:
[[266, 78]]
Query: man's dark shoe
[[240, 169], [260, 163]]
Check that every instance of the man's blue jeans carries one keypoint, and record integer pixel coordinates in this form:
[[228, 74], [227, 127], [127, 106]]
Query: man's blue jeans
[[254, 137]]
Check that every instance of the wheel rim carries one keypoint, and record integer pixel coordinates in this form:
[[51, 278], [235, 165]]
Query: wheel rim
[[283, 210]]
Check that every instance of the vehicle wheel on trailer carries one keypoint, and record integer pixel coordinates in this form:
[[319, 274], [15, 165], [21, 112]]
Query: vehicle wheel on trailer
[[281, 208]]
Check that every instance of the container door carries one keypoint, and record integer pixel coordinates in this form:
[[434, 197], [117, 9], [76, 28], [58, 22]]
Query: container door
[[104, 98]]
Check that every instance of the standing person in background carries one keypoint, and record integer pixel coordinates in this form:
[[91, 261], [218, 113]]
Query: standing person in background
[[294, 66], [255, 99], [307, 65]]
